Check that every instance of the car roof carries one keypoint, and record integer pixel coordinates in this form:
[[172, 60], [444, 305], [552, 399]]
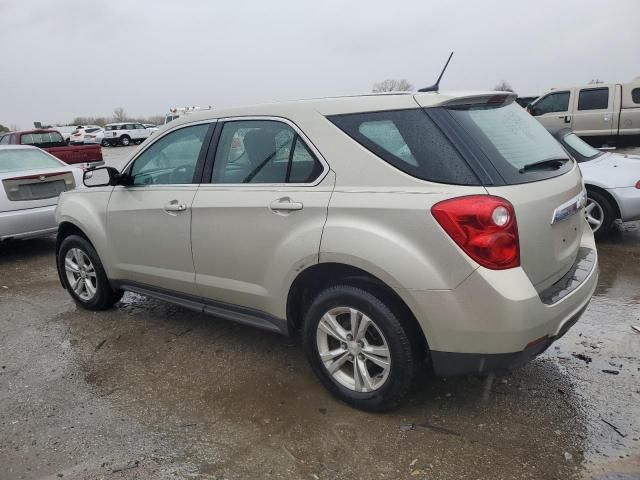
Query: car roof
[[339, 105], [120, 123]]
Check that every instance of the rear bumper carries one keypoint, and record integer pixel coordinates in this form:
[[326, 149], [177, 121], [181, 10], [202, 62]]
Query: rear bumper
[[628, 200], [28, 223], [451, 363], [496, 320]]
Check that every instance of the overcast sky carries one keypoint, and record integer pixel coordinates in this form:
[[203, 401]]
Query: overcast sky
[[62, 59]]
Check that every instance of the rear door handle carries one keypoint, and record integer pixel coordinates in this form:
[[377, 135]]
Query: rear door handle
[[285, 204], [174, 206]]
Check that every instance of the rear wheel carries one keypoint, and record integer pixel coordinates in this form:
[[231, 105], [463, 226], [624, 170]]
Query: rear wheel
[[599, 212], [105, 143], [359, 349], [125, 141], [83, 275]]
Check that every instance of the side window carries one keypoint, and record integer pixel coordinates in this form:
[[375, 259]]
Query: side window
[[593, 99], [4, 140], [262, 151], [171, 159], [554, 102], [635, 95]]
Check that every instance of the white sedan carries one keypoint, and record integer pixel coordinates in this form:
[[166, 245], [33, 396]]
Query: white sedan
[[612, 181], [31, 182]]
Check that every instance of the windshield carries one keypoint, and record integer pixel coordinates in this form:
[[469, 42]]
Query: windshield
[[511, 139], [13, 160], [582, 148]]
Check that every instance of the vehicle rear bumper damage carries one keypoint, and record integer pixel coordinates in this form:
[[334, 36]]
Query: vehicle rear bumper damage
[[496, 320], [31, 222]]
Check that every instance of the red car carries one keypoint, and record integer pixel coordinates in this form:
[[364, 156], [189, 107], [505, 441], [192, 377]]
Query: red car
[[53, 142]]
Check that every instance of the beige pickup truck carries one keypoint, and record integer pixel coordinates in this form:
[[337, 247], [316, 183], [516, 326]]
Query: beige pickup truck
[[601, 112]]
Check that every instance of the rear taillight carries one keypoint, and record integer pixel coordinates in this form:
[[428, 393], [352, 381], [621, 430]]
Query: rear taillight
[[638, 184], [484, 227]]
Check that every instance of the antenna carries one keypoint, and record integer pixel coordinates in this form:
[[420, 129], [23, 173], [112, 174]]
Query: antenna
[[435, 86]]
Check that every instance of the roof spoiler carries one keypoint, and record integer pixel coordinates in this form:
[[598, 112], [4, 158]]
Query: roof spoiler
[[436, 86], [492, 99]]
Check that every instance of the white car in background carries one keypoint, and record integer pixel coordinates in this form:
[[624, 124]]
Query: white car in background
[[125, 133], [151, 127], [31, 181], [66, 131], [77, 137], [612, 181], [96, 136]]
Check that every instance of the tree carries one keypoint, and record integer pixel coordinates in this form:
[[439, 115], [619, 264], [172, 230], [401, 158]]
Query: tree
[[119, 115], [392, 85], [3, 128], [503, 86]]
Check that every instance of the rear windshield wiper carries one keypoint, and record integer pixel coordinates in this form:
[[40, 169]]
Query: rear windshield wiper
[[550, 162]]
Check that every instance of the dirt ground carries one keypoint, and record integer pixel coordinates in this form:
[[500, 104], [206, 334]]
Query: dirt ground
[[148, 390]]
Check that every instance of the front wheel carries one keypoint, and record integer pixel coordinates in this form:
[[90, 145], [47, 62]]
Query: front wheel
[[125, 141], [83, 275], [359, 349], [599, 213]]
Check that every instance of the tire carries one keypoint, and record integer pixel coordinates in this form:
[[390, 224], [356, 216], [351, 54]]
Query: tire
[[599, 208], [137, 142], [125, 141], [386, 389], [78, 248], [105, 143]]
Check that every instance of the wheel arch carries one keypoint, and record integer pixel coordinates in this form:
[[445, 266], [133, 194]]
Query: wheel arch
[[320, 276], [607, 195], [66, 229]]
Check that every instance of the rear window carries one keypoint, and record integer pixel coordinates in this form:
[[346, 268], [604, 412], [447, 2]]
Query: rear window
[[510, 138], [43, 139], [410, 141], [14, 160]]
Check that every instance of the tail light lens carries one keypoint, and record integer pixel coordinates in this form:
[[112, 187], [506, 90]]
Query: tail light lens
[[484, 227], [638, 184]]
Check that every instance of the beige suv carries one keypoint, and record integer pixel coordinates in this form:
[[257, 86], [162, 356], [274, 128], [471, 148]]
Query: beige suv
[[387, 229]]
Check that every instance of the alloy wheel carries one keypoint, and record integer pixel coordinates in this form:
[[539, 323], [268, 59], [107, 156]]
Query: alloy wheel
[[594, 214], [81, 274], [353, 349]]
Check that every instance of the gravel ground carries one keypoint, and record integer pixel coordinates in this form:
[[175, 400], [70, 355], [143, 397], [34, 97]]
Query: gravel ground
[[149, 390]]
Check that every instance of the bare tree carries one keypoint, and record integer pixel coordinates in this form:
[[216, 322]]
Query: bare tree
[[392, 85], [119, 115], [595, 80], [503, 86]]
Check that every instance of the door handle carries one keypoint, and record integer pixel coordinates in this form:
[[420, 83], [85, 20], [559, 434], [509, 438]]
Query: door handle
[[285, 204], [174, 206]]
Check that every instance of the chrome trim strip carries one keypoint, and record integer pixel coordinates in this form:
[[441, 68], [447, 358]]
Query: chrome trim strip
[[570, 207]]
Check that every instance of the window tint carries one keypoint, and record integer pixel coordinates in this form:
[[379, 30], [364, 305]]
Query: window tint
[[266, 151], [511, 138], [410, 141], [170, 160], [554, 102], [635, 95], [593, 99]]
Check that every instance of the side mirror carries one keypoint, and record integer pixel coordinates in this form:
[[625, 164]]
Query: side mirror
[[534, 111], [101, 177]]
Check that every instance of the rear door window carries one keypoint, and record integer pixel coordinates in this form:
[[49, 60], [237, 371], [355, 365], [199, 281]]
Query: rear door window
[[635, 95], [410, 141], [593, 99]]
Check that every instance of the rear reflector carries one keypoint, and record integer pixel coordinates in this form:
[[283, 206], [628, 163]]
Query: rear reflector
[[484, 227]]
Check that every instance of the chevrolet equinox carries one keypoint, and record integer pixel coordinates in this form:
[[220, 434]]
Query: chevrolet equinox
[[386, 229]]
